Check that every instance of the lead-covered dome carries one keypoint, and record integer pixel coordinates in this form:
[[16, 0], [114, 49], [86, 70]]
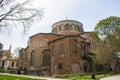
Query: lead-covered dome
[[67, 27]]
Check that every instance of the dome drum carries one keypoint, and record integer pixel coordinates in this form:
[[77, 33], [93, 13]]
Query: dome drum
[[67, 26]]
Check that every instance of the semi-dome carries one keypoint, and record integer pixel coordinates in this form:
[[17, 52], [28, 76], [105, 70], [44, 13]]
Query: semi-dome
[[67, 27]]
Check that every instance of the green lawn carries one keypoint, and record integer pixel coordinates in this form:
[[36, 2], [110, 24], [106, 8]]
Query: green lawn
[[9, 77], [86, 76]]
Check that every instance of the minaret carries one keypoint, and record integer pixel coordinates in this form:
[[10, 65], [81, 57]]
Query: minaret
[[10, 48]]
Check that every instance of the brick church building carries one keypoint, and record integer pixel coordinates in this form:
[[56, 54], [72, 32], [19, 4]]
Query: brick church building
[[65, 50]]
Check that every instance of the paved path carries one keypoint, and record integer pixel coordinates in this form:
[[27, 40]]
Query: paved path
[[116, 77], [38, 77]]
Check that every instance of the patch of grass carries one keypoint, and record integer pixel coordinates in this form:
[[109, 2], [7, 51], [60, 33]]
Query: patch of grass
[[9, 77], [86, 76]]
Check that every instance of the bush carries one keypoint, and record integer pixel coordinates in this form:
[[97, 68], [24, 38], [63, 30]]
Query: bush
[[2, 71], [8, 71], [12, 71]]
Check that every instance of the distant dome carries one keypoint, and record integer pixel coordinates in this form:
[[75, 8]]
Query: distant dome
[[67, 27]]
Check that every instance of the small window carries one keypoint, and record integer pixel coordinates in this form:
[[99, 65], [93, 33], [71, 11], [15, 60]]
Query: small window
[[60, 66]]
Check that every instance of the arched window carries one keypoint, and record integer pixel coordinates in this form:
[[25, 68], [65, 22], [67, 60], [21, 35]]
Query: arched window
[[62, 48], [46, 58], [32, 62], [83, 50], [75, 46], [53, 51]]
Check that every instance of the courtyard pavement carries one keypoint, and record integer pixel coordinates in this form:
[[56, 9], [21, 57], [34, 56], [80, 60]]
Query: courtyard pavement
[[38, 77], [116, 77]]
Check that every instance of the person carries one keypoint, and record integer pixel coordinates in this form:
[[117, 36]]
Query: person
[[110, 69], [18, 72]]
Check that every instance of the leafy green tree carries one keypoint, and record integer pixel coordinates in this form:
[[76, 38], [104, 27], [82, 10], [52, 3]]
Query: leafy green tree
[[106, 36], [108, 26]]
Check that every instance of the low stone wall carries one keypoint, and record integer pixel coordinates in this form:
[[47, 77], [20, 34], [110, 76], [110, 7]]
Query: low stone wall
[[38, 72], [32, 72]]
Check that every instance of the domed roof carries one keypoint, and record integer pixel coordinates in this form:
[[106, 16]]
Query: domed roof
[[67, 27]]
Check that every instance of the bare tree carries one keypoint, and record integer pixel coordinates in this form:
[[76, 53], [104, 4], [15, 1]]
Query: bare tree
[[13, 13], [16, 51]]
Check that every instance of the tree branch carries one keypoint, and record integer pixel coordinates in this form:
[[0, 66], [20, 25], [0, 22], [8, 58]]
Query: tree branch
[[1, 1], [18, 13]]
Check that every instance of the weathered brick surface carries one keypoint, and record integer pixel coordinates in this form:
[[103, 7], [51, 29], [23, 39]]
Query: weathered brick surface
[[71, 61], [68, 59]]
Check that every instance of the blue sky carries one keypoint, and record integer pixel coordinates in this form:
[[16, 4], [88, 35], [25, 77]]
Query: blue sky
[[88, 12]]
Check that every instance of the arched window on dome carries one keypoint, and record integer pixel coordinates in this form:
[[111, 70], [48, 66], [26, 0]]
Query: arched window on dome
[[52, 30], [70, 27], [55, 30], [77, 28], [73, 27], [62, 49], [62, 27], [67, 26], [59, 28]]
